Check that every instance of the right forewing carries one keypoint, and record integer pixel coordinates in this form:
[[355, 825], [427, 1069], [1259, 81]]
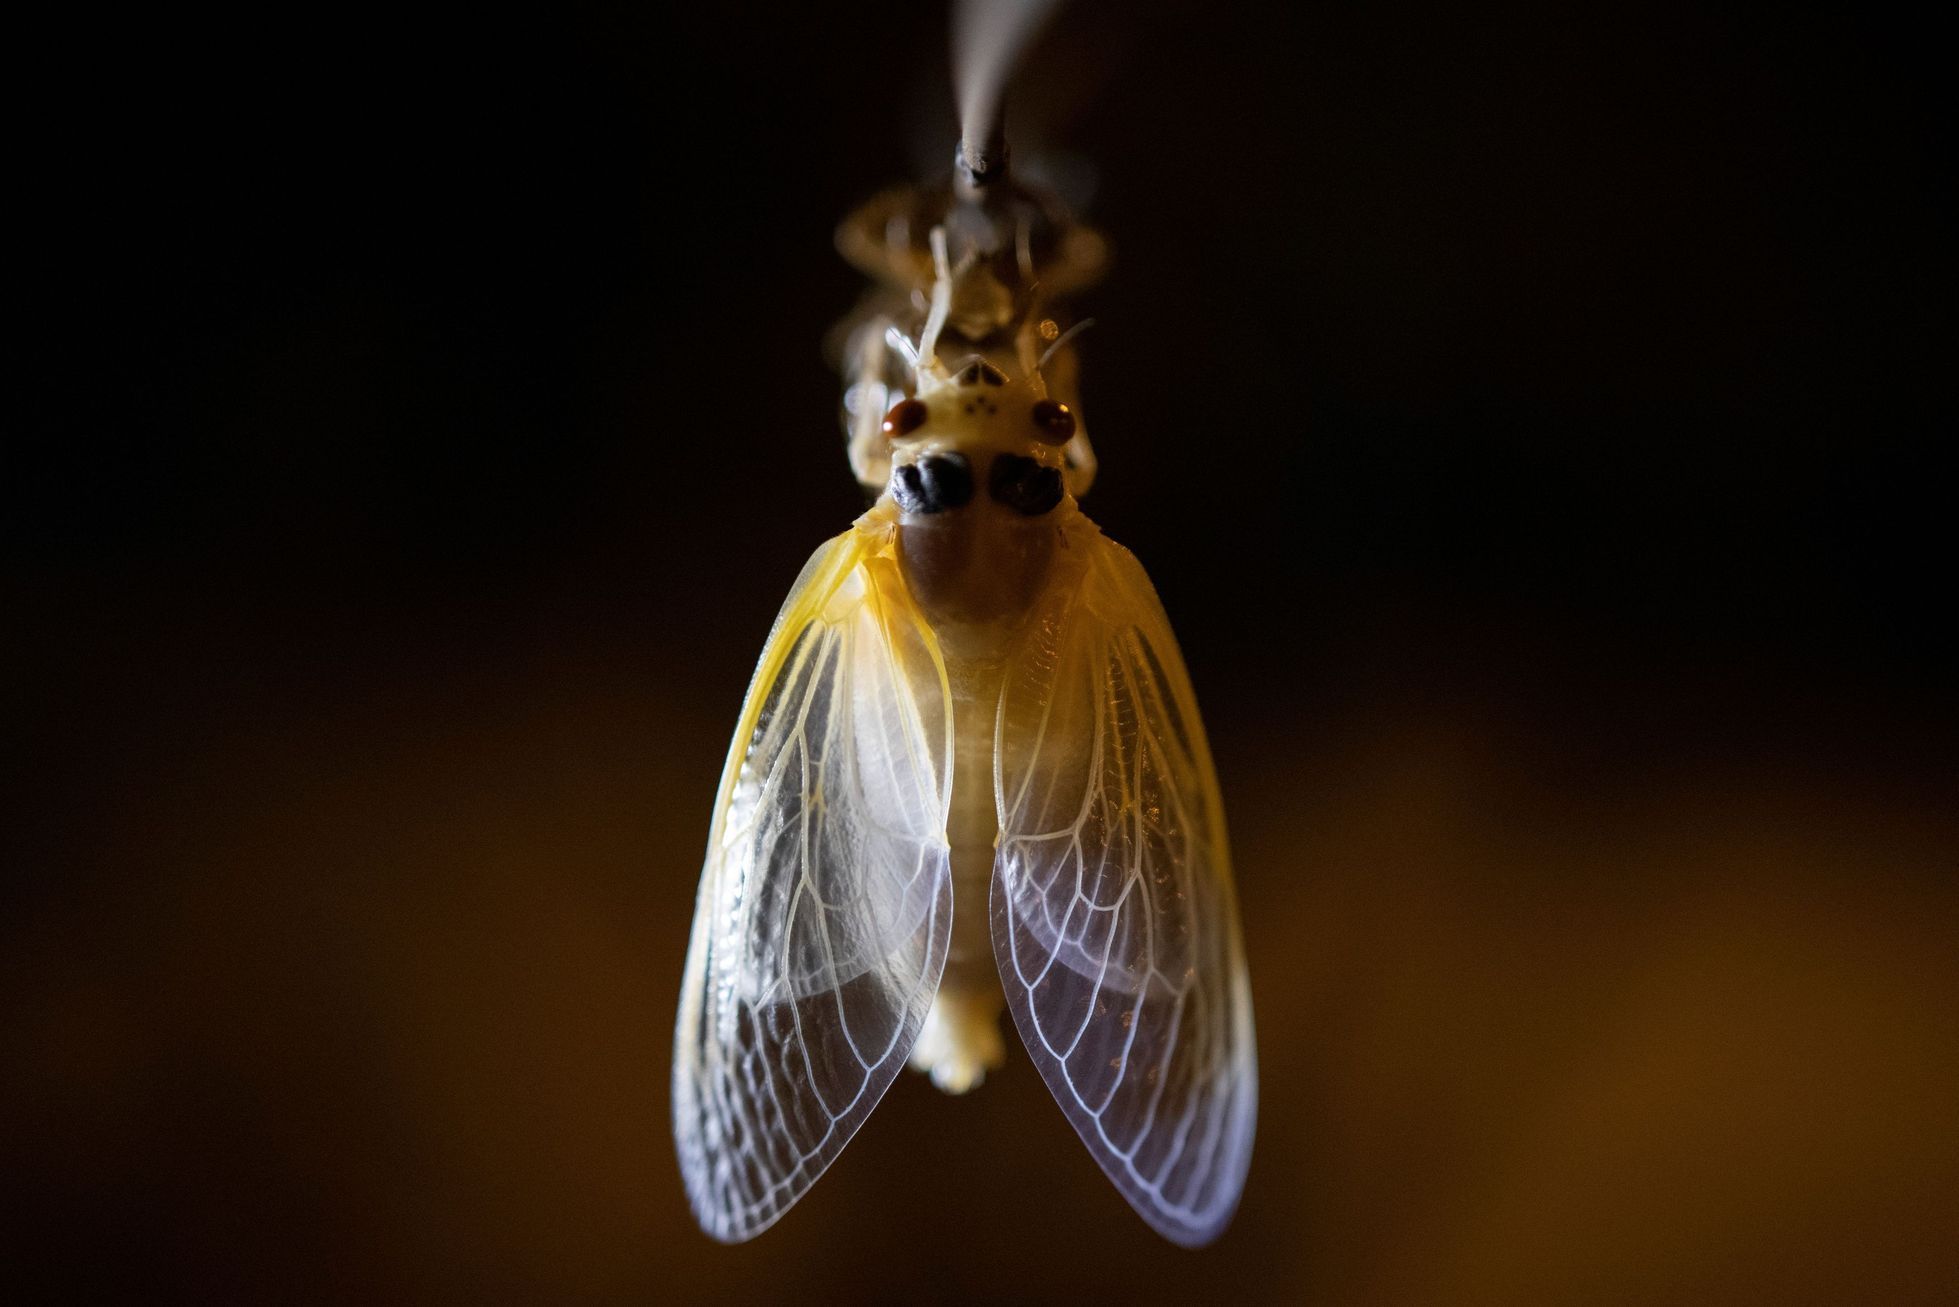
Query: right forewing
[[825, 902], [1114, 920]]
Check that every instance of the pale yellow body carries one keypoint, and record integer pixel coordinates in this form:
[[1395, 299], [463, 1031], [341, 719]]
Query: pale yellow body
[[976, 575]]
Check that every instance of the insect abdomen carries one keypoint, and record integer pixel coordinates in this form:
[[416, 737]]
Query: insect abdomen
[[961, 1040]]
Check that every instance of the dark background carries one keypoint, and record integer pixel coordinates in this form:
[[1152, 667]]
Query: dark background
[[1529, 416]]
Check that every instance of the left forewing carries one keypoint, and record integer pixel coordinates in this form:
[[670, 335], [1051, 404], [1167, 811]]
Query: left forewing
[[825, 903], [1114, 921]]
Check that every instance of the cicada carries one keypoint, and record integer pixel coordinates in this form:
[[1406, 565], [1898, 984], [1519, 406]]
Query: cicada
[[969, 773]]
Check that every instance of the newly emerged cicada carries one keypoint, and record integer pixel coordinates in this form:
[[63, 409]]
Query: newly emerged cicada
[[969, 772]]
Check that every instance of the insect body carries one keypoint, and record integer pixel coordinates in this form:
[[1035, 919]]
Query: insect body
[[969, 773]]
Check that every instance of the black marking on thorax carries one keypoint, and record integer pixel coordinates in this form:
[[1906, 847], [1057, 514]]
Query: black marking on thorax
[[1024, 485], [933, 484]]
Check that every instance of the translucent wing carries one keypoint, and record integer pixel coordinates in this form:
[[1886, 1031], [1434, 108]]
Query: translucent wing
[[1114, 921], [825, 902]]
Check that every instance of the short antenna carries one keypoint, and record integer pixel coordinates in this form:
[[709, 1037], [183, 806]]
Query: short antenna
[[1061, 340]]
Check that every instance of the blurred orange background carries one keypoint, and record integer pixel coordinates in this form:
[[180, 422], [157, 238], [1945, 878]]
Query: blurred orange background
[[1527, 417]]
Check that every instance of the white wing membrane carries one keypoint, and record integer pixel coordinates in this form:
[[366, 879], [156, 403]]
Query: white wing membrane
[[825, 902], [1114, 920]]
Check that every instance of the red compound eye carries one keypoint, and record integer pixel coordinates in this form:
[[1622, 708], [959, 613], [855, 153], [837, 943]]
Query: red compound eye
[[1054, 422], [905, 418]]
